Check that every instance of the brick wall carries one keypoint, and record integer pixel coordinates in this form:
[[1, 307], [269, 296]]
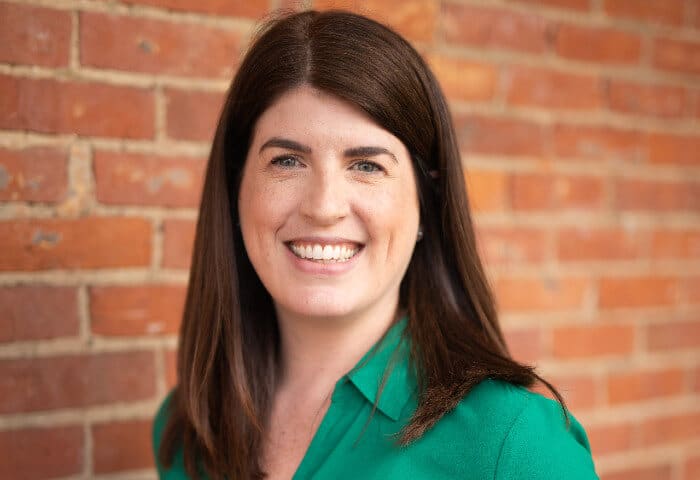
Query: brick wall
[[579, 121]]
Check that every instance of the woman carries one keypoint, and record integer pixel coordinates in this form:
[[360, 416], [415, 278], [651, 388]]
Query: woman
[[338, 323]]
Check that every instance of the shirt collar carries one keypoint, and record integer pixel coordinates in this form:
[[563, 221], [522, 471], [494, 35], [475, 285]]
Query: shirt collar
[[390, 354]]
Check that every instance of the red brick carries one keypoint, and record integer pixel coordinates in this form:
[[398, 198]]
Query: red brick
[[666, 243], [464, 80], [416, 20], [494, 27], [599, 45], [37, 174], [192, 115], [123, 445], [654, 472], [533, 86], [213, 7], [610, 438], [40, 453], [644, 385], [525, 344], [592, 341], [645, 99], [38, 312], [142, 179], [500, 136], [672, 149], [673, 336], [88, 242], [578, 244], [579, 5], [533, 293], [579, 391], [691, 288], [487, 190], [636, 292], [34, 36], [692, 468], [513, 245], [170, 368], [178, 241], [75, 381], [672, 428], [661, 11], [599, 143], [677, 55], [82, 108], [154, 46], [661, 196], [537, 191], [136, 310]]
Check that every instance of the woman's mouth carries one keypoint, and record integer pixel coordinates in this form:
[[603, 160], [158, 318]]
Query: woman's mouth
[[324, 253]]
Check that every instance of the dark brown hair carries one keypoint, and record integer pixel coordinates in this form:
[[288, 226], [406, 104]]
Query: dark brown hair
[[228, 354]]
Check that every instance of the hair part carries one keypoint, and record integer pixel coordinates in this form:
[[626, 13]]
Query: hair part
[[228, 357]]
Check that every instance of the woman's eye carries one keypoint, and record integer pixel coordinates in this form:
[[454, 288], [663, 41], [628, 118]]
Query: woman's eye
[[367, 167], [285, 161]]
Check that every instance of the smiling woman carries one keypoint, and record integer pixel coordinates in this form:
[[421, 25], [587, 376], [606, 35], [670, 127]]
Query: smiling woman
[[338, 322]]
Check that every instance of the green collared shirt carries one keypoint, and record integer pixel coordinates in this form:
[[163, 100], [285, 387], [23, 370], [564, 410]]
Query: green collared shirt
[[497, 432]]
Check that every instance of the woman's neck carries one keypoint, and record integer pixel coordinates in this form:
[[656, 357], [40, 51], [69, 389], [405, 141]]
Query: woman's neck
[[317, 351]]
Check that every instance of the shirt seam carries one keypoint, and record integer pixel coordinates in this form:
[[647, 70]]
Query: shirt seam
[[511, 428]]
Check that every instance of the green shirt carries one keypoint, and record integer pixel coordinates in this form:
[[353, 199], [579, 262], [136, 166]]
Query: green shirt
[[497, 432]]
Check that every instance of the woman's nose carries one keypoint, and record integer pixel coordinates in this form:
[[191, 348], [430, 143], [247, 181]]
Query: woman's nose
[[325, 199]]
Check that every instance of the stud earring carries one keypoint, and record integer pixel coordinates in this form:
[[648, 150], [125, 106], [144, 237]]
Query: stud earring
[[420, 234]]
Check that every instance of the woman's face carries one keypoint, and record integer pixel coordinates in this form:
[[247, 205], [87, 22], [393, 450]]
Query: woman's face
[[328, 207]]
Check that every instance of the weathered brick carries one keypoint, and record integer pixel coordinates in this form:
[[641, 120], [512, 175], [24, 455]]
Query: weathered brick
[[599, 143], [36, 174], [592, 341], [463, 79], [34, 35], [539, 191], [416, 20], [513, 245], [692, 468], [88, 242], [656, 196], [672, 149], [136, 310], [487, 190], [534, 86], [579, 5], [533, 293], [494, 27], [83, 108], [170, 368], [672, 428], [610, 438], [671, 336], [653, 472], [213, 7], [122, 445], [156, 46], [661, 11], [677, 55], [635, 386], [638, 291], [525, 344], [178, 241], [41, 453], [579, 391], [583, 244], [599, 45], [143, 179], [192, 115], [75, 381], [38, 312], [501, 136], [646, 99]]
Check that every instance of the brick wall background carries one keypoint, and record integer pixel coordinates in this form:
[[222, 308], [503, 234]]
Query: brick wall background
[[579, 121]]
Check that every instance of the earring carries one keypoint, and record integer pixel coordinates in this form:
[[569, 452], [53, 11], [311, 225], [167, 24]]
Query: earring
[[420, 234]]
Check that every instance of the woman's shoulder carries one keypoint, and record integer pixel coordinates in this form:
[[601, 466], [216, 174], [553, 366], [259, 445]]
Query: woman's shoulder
[[526, 433], [177, 470]]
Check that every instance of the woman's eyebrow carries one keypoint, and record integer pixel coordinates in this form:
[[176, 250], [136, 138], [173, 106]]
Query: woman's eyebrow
[[285, 143], [368, 152]]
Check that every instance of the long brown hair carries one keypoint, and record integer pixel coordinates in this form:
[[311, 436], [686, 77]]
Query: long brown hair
[[228, 355]]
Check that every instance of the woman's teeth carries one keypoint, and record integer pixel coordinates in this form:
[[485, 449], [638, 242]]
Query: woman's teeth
[[327, 253]]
